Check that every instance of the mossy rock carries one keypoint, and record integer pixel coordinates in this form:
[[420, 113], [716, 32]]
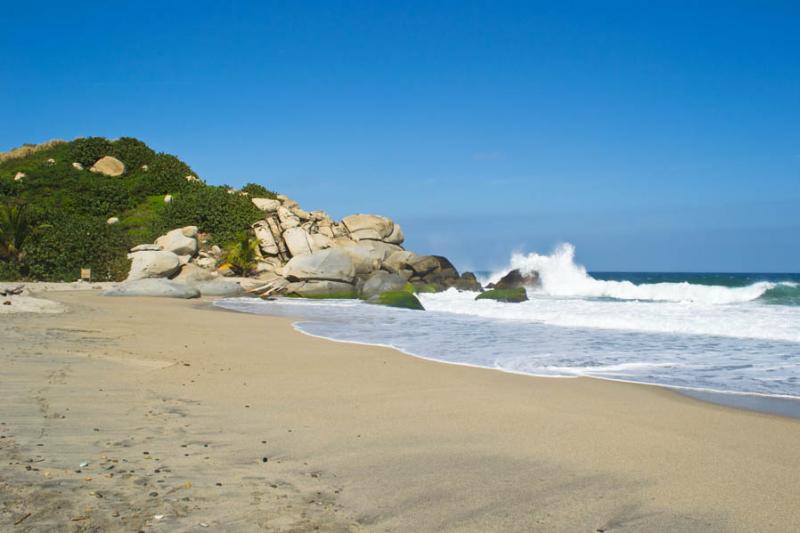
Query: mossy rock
[[426, 288], [339, 295], [504, 295], [401, 299]]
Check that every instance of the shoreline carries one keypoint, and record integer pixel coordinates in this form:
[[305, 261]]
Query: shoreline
[[770, 404], [186, 403]]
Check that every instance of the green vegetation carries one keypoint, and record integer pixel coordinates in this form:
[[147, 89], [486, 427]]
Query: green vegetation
[[213, 210], [15, 228], [402, 299], [243, 253], [504, 295], [254, 190], [89, 149], [53, 218]]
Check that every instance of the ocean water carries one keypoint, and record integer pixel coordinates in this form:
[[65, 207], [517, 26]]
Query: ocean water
[[729, 333]]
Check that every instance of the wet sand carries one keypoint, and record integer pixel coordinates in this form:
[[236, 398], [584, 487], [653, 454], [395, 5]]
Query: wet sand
[[149, 414]]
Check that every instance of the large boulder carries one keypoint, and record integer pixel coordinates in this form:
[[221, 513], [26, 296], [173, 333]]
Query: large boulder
[[378, 249], [516, 279], [373, 227], [266, 240], [192, 273], [154, 287], [108, 166], [298, 241], [153, 264], [467, 282], [398, 261], [319, 241], [424, 265], [287, 218], [401, 299], [381, 281], [364, 259], [266, 204], [331, 264], [218, 287], [504, 295], [396, 236], [321, 289], [182, 241]]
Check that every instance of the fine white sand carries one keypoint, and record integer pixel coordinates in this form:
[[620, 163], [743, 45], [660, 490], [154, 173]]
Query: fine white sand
[[187, 416]]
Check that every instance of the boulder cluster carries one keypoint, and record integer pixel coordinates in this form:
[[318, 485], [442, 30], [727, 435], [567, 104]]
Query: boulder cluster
[[307, 253], [175, 266]]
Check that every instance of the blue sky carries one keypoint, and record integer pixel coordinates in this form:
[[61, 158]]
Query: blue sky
[[652, 135]]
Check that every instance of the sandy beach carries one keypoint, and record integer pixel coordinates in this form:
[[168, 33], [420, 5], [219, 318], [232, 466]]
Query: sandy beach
[[129, 414]]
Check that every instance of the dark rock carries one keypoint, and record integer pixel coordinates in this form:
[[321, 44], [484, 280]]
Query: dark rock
[[516, 279], [468, 282], [504, 295], [424, 265]]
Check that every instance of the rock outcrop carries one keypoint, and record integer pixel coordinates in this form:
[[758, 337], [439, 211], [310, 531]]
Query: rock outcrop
[[108, 166], [516, 279], [153, 264], [379, 282], [504, 295], [308, 254], [154, 287], [182, 241], [326, 265]]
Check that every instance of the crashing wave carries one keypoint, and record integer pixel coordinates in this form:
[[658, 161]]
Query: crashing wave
[[562, 277]]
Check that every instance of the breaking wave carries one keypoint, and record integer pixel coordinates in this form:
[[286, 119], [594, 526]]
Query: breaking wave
[[562, 277]]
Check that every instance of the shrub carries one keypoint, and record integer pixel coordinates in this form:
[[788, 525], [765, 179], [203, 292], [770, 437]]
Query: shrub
[[9, 271], [166, 175], [57, 251], [243, 253], [16, 227], [88, 150], [133, 152], [258, 191], [213, 211]]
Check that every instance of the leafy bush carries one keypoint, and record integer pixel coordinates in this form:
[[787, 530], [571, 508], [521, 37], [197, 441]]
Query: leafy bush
[[258, 191], [243, 253], [133, 152], [15, 228], [9, 271], [72, 206], [167, 175], [58, 251], [88, 150], [213, 211]]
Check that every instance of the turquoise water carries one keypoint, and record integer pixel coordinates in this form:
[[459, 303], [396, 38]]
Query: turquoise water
[[728, 333], [786, 291]]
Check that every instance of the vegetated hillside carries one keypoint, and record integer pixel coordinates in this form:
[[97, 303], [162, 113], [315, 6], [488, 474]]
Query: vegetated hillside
[[54, 211]]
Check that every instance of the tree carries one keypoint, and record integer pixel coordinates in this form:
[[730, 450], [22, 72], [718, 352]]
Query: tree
[[15, 228], [243, 253]]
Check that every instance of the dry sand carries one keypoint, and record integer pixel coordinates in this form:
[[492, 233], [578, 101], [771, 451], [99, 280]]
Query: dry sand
[[196, 419]]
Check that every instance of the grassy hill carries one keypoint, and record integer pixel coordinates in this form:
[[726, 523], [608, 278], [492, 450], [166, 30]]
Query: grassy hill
[[54, 211]]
